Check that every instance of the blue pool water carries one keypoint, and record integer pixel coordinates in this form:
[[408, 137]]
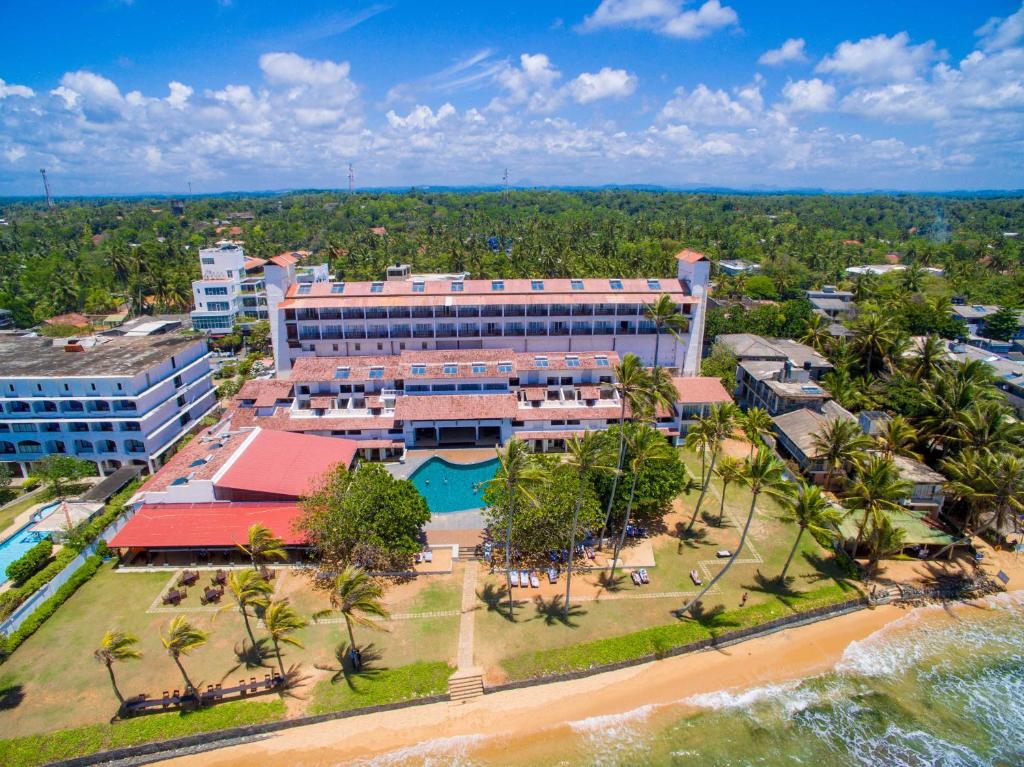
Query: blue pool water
[[453, 486], [12, 547]]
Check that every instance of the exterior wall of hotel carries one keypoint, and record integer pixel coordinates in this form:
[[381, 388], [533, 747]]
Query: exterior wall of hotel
[[109, 420]]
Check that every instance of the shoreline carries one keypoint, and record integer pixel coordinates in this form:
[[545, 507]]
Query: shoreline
[[488, 721]]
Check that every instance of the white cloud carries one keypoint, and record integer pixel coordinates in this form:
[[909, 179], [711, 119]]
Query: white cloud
[[607, 83], [531, 84], [808, 95], [880, 58], [665, 17], [997, 33], [704, 106], [179, 94], [10, 89], [790, 51], [421, 117], [293, 69]]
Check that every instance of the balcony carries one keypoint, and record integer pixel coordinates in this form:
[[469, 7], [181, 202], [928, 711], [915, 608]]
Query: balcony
[[558, 330], [422, 312], [355, 333], [399, 313], [469, 311], [490, 311], [515, 310], [353, 314], [492, 332], [331, 333], [537, 311], [537, 332], [400, 331], [582, 310], [423, 334], [627, 310], [377, 333], [469, 332], [307, 314]]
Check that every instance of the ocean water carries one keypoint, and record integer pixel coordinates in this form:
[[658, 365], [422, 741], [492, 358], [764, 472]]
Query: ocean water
[[930, 690]]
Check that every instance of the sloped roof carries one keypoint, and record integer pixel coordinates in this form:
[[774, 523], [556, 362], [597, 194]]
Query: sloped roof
[[194, 525], [697, 390], [690, 256]]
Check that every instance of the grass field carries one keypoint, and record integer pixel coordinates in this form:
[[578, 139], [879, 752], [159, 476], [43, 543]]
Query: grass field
[[8, 515]]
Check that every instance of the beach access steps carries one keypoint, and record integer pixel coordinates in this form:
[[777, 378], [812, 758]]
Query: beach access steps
[[465, 685]]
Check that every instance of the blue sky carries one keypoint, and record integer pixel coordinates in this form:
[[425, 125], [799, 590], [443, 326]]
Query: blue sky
[[145, 96]]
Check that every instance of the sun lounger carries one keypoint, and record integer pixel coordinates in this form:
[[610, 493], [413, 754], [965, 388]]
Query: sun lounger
[[591, 554], [644, 577], [695, 578], [552, 575], [524, 579], [635, 576], [514, 577], [534, 580], [723, 553], [428, 556]]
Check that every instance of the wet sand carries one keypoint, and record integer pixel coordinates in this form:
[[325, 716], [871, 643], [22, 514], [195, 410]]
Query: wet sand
[[519, 714]]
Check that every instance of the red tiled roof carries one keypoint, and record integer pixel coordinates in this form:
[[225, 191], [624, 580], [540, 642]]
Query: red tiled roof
[[534, 393], [254, 263], [212, 450], [284, 259], [265, 392], [284, 464], [698, 390], [281, 420], [451, 407], [321, 403], [599, 412], [690, 256], [200, 525], [72, 318]]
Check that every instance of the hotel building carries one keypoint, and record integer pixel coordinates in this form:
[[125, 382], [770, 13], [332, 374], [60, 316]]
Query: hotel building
[[114, 401]]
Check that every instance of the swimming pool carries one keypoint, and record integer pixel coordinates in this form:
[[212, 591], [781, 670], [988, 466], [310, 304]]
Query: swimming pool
[[12, 547], [453, 486]]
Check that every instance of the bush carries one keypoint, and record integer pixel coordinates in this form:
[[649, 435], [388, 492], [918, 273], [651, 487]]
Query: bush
[[30, 484], [31, 562]]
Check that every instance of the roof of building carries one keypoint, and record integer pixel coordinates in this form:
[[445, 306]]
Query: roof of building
[[285, 464], [265, 392], [252, 263], [35, 357], [914, 471], [453, 407], [801, 426], [74, 319], [830, 304], [916, 527], [690, 256], [286, 259], [751, 346], [202, 525], [698, 390]]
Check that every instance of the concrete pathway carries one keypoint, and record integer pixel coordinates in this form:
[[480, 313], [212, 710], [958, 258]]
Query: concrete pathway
[[468, 615]]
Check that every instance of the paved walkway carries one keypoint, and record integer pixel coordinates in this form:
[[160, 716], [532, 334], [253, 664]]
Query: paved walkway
[[467, 619]]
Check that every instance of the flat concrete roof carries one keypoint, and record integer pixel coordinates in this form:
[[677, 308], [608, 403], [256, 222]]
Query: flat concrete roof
[[26, 357]]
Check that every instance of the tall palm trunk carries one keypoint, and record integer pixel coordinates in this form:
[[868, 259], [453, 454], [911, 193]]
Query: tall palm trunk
[[733, 558], [860, 533], [657, 343], [351, 636], [248, 626], [189, 687], [703, 490], [113, 682], [721, 506], [792, 551], [508, 558], [618, 471], [277, 652], [625, 524], [572, 550]]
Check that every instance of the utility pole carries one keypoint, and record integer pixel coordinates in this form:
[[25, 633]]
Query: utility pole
[[504, 178], [351, 178], [46, 186], [189, 188]]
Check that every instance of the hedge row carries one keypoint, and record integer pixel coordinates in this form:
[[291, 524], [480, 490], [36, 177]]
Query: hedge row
[[10, 643], [31, 562]]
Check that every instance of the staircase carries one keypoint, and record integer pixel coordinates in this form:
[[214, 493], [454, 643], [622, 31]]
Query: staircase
[[465, 685]]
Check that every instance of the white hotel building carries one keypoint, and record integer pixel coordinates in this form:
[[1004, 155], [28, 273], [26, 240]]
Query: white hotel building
[[418, 313], [116, 401]]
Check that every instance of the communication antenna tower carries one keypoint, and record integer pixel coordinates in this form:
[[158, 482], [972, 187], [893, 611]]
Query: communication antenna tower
[[504, 179], [46, 186], [351, 178], [189, 188]]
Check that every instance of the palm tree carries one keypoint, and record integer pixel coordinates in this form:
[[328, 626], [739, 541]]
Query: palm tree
[[248, 589], [874, 336], [930, 358], [356, 595], [816, 334], [763, 473], [990, 483], [263, 545], [897, 437], [588, 456], [631, 383], [876, 492], [988, 426], [754, 423], [116, 646], [720, 424], [838, 444], [281, 621], [730, 471], [882, 540], [809, 510], [518, 474], [913, 276], [181, 638], [699, 440], [646, 446], [666, 317]]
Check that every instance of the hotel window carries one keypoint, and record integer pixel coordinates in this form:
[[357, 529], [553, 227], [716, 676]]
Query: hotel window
[[601, 361], [342, 372], [377, 372], [338, 287], [654, 284], [479, 368], [576, 284], [458, 286], [451, 370], [572, 362], [220, 291], [419, 370], [497, 284], [541, 362], [504, 367], [376, 287], [615, 284], [418, 287], [304, 290], [209, 261], [536, 284]]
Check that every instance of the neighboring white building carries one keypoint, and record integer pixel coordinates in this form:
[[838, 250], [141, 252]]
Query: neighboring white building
[[112, 401], [410, 312], [831, 302], [235, 289], [882, 269], [737, 266]]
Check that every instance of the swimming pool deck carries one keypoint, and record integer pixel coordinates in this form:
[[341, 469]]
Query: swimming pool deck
[[447, 527], [416, 458]]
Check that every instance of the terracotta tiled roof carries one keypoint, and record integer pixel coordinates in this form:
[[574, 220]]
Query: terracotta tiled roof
[[285, 259], [73, 318], [598, 412], [201, 525], [451, 407], [321, 403], [266, 392], [690, 256], [201, 458], [697, 390], [534, 393], [281, 420], [254, 263], [277, 463]]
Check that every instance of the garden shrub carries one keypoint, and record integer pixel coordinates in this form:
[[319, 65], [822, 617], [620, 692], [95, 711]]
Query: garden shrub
[[31, 562]]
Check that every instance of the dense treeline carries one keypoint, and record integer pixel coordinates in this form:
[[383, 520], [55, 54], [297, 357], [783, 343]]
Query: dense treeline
[[95, 255]]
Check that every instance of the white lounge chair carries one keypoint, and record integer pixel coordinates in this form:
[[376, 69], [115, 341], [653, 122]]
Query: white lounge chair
[[635, 577], [428, 556], [514, 577], [723, 553], [524, 579], [534, 580], [552, 575], [644, 577], [695, 578]]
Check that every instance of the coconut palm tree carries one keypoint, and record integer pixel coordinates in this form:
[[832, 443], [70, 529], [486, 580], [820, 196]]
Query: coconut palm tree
[[632, 385], [931, 357], [263, 546], [883, 539], [913, 277], [754, 423], [730, 471], [281, 622], [720, 424], [808, 509], [897, 437], [666, 317], [181, 638], [988, 426], [357, 597], [646, 446], [763, 473], [117, 646], [588, 456], [518, 475], [838, 444], [816, 334], [699, 439], [991, 484], [247, 589], [874, 493], [874, 337]]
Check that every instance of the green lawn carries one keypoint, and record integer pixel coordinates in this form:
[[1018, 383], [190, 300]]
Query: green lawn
[[8, 515], [376, 685]]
